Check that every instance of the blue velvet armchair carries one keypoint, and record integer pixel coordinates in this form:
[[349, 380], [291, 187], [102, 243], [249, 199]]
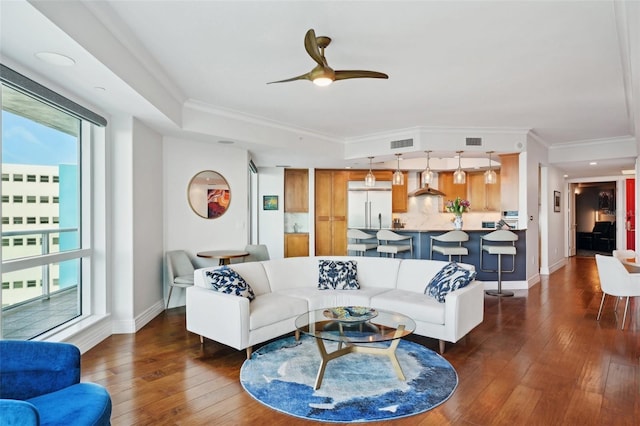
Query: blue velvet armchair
[[40, 385]]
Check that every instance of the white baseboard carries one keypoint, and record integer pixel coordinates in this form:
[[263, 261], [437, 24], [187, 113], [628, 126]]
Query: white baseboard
[[131, 326]]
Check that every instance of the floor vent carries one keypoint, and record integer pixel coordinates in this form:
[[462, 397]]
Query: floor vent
[[404, 143], [474, 141]]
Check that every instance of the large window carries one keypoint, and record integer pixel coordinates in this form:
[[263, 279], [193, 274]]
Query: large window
[[45, 139]]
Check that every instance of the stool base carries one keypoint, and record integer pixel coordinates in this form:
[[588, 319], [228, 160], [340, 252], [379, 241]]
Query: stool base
[[499, 293]]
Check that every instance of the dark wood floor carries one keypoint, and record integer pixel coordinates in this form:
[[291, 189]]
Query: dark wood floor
[[537, 359]]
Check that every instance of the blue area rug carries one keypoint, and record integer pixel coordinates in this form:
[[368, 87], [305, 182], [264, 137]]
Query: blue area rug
[[356, 387]]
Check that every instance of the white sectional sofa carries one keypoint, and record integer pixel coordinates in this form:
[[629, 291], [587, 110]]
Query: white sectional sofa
[[286, 288]]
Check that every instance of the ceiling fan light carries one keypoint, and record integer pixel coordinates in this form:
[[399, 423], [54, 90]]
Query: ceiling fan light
[[322, 81]]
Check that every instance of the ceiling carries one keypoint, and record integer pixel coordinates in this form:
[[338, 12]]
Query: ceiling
[[560, 70]]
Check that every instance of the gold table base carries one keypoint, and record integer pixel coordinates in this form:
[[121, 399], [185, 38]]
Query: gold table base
[[389, 351]]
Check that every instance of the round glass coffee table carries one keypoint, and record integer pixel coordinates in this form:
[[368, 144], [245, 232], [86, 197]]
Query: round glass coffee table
[[353, 327]]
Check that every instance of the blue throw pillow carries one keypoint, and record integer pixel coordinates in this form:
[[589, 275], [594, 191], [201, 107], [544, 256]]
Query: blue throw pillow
[[448, 279], [337, 275], [226, 280]]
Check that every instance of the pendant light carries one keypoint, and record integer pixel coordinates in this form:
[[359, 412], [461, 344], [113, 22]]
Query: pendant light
[[370, 178], [427, 174], [459, 176], [398, 176], [490, 177]]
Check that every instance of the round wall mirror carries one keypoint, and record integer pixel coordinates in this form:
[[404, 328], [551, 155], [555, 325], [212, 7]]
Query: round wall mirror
[[209, 194]]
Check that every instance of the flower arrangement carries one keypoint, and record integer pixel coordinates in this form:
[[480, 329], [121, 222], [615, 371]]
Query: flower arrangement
[[458, 206]]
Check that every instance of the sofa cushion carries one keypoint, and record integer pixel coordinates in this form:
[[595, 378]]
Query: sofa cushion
[[272, 308], [419, 307], [337, 275], [450, 278], [80, 404], [226, 280], [320, 299]]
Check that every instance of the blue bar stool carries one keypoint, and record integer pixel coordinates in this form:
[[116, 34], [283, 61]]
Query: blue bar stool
[[498, 243]]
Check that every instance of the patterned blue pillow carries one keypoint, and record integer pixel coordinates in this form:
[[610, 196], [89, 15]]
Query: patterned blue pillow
[[337, 275], [226, 280], [448, 279]]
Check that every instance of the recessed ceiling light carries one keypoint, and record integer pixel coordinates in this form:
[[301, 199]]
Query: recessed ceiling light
[[628, 172], [566, 176], [593, 163], [226, 142], [100, 88], [56, 59]]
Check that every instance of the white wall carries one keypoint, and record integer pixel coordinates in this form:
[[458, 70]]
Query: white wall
[[556, 235], [137, 224], [271, 222], [185, 230], [147, 219], [121, 175]]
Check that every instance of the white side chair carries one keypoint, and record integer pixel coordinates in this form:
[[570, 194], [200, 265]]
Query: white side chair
[[257, 252], [498, 243], [450, 244], [391, 243], [358, 241], [180, 271], [615, 280]]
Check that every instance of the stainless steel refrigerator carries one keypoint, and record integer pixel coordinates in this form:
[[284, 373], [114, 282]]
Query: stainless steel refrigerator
[[369, 208]]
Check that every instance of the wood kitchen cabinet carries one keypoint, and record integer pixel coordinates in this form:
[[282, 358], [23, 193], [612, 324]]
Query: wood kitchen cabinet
[[509, 181], [399, 193], [399, 196], [296, 245], [450, 189], [331, 212], [483, 197], [296, 190]]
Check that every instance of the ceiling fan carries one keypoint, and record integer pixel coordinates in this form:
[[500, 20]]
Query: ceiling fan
[[323, 74]]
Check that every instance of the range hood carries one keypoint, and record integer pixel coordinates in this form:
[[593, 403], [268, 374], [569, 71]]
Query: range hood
[[427, 190]]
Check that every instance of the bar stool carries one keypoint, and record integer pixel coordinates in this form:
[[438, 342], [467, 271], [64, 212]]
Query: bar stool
[[389, 243], [446, 246], [358, 245], [499, 242]]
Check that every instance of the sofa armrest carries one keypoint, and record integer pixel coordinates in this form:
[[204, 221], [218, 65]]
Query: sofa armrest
[[464, 309], [218, 316], [32, 368], [16, 412]]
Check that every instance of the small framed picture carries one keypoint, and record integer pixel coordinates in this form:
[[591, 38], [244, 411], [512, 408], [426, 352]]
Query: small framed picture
[[556, 201], [270, 202]]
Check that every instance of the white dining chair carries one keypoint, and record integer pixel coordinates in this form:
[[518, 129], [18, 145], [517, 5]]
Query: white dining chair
[[179, 270], [615, 280]]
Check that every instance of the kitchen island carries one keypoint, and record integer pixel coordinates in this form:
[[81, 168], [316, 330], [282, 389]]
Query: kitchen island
[[422, 243]]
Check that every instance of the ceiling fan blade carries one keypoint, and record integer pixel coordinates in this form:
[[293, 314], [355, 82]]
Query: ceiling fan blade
[[300, 77], [311, 45], [345, 74]]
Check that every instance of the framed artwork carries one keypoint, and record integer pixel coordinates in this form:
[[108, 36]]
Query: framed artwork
[[556, 201], [606, 200], [270, 202]]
